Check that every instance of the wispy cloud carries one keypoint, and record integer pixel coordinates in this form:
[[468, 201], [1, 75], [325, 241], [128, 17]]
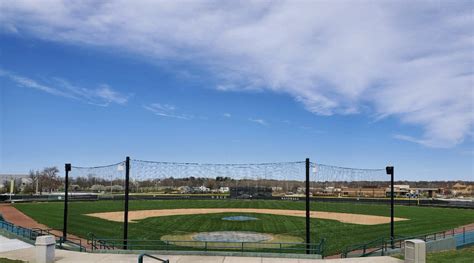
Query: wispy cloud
[[167, 110], [259, 121], [408, 138], [405, 59], [106, 93], [33, 84], [227, 115], [103, 95]]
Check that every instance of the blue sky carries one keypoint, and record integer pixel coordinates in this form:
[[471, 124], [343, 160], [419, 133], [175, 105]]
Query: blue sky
[[274, 81]]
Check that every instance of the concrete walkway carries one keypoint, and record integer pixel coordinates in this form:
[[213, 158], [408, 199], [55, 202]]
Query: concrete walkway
[[7, 244], [64, 256]]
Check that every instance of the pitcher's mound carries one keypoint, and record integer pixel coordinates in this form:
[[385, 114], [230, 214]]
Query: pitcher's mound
[[232, 236], [232, 239]]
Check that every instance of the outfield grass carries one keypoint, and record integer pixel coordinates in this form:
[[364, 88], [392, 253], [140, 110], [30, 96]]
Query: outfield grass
[[338, 235]]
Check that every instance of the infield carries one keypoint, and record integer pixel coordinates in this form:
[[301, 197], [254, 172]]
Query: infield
[[421, 219], [359, 219]]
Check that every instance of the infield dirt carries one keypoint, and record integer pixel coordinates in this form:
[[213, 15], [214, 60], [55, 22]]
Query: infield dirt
[[341, 217]]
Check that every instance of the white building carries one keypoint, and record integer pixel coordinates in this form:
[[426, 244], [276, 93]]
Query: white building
[[223, 189], [201, 189]]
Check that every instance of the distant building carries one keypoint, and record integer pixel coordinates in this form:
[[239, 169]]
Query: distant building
[[427, 192], [223, 189], [361, 192], [201, 189], [24, 183], [244, 192], [277, 188], [463, 189], [185, 189], [398, 190], [5, 180]]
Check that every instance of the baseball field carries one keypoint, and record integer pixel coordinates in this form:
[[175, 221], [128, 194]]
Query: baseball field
[[342, 224]]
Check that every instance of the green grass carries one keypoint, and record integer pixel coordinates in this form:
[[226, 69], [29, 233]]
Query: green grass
[[465, 255], [6, 260], [338, 235]]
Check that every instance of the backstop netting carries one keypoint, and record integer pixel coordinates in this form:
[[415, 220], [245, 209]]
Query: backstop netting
[[352, 206], [94, 190], [197, 205], [246, 207]]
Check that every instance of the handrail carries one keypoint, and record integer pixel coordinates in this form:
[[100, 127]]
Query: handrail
[[140, 258], [389, 242], [98, 243], [33, 233]]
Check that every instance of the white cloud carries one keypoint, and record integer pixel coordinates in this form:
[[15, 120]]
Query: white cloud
[[102, 96], [410, 60], [167, 110], [227, 115], [259, 121], [108, 94]]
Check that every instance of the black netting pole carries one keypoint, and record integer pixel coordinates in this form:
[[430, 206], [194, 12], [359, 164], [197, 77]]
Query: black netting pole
[[307, 209], [125, 221], [392, 197], [67, 168]]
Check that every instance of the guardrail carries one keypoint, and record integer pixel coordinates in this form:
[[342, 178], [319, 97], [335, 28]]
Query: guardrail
[[32, 233], [97, 243], [463, 236]]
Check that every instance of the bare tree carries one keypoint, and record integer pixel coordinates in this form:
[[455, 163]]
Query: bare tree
[[49, 179], [34, 176]]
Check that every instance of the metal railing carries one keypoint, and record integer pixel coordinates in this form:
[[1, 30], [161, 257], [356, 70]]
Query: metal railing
[[140, 258], [382, 245], [32, 233], [97, 243]]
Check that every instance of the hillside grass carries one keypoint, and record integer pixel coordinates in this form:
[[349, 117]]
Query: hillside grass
[[338, 235], [465, 255]]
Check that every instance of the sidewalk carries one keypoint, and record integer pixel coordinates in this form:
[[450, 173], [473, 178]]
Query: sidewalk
[[64, 256], [7, 244]]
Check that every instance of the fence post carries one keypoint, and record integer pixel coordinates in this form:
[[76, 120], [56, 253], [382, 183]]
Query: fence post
[[308, 237], [125, 221], [67, 168], [464, 235], [383, 244], [390, 171]]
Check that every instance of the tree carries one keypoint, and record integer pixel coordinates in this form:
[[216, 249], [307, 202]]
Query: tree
[[34, 176], [4, 186], [49, 180]]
